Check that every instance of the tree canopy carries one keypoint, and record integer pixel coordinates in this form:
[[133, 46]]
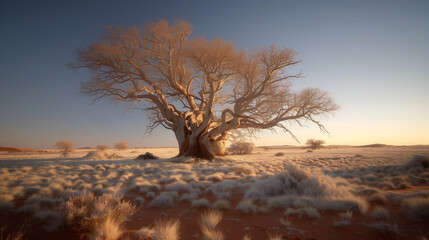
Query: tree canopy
[[200, 89]]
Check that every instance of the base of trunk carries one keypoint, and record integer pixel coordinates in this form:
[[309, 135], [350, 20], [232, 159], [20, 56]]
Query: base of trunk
[[202, 149]]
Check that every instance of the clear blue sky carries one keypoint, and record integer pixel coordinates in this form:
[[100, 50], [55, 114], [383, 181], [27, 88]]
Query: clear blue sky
[[372, 56]]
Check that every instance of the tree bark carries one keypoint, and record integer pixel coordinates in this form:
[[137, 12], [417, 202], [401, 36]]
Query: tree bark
[[198, 146]]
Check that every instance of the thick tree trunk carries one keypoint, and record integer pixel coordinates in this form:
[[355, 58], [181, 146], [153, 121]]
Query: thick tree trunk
[[195, 141], [199, 146]]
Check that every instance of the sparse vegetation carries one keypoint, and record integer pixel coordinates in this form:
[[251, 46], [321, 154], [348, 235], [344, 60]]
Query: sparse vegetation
[[380, 214], [345, 218], [377, 198], [208, 223], [12, 236], [163, 230], [66, 147], [98, 216], [314, 144], [121, 146], [102, 147], [241, 148], [147, 156]]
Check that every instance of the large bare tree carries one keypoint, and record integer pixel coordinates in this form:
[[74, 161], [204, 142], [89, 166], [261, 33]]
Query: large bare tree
[[200, 89]]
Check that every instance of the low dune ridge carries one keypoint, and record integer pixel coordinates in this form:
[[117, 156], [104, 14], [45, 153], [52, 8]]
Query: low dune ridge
[[12, 149]]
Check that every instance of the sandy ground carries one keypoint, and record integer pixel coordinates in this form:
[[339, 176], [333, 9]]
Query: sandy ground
[[51, 180]]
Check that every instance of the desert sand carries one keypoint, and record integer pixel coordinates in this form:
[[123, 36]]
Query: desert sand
[[330, 193]]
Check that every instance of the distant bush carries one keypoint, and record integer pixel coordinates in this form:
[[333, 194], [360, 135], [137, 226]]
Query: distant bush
[[102, 147], [121, 145], [279, 154], [314, 144], [241, 148], [147, 156], [100, 155], [66, 146]]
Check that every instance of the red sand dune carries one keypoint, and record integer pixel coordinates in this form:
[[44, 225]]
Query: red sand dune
[[11, 149]]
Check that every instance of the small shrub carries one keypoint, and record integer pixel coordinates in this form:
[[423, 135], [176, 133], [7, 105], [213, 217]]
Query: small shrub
[[380, 213], [241, 148], [138, 201], [199, 203], [314, 144], [121, 145], [279, 154], [66, 147], [100, 155], [377, 198], [147, 156], [102, 147], [162, 201], [384, 227], [221, 205], [346, 217]]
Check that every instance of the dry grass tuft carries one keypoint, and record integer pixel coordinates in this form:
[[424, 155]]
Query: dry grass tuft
[[12, 236], [96, 216], [163, 230], [208, 223]]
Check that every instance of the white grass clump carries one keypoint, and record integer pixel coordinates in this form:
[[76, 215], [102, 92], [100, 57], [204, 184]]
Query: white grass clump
[[377, 198], [189, 197], [179, 187], [162, 201], [244, 170], [380, 213], [100, 155], [297, 187], [150, 195], [202, 202], [309, 211], [53, 220], [208, 223], [417, 208], [138, 201], [247, 206], [384, 227], [221, 205], [163, 230], [86, 213], [172, 194], [345, 219]]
